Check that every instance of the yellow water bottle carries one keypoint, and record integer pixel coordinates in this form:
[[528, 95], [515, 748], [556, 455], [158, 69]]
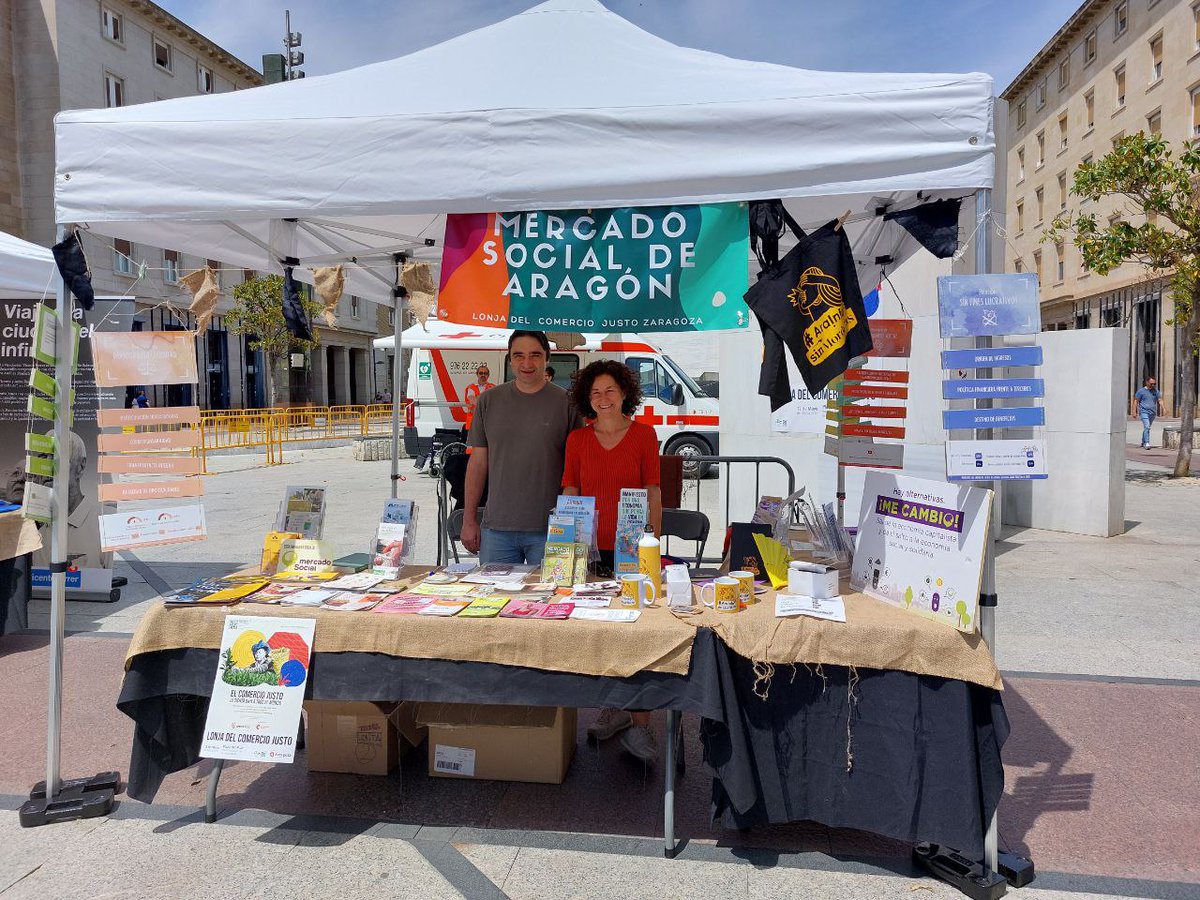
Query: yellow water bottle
[[650, 560]]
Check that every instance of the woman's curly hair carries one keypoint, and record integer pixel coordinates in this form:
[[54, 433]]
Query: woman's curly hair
[[625, 377]]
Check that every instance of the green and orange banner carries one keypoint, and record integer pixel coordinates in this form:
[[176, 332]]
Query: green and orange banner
[[665, 268]]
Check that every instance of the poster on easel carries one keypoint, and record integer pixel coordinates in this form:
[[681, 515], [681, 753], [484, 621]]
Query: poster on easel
[[921, 545], [258, 691], [24, 436]]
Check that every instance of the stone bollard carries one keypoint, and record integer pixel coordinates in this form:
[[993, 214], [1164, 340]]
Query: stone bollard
[[372, 449], [1170, 439]]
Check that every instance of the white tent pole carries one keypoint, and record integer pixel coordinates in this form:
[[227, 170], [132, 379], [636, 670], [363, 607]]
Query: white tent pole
[[399, 304], [987, 598], [63, 367]]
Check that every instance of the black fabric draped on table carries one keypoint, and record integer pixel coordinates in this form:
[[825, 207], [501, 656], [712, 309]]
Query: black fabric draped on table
[[920, 759]]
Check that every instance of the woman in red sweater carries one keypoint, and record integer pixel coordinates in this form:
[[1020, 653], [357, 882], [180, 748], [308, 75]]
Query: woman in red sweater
[[610, 453]]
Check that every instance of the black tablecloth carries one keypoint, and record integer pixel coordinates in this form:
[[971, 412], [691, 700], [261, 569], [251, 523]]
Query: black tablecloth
[[925, 751]]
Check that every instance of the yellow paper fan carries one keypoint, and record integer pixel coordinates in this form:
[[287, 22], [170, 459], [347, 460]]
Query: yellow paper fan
[[775, 558]]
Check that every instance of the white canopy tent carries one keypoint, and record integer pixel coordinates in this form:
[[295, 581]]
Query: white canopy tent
[[563, 106], [26, 270]]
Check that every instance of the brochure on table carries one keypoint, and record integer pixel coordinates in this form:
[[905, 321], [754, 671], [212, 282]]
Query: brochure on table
[[258, 690], [921, 546]]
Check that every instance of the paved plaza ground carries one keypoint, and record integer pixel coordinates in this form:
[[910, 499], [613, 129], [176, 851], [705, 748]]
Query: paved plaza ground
[[1098, 638]]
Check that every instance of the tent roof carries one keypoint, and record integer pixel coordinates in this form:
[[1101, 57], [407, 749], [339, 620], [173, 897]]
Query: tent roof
[[26, 270], [566, 105]]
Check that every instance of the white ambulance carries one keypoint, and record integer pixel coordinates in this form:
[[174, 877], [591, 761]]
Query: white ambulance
[[445, 358]]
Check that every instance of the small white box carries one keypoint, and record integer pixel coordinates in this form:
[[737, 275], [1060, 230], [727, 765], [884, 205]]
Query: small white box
[[812, 580]]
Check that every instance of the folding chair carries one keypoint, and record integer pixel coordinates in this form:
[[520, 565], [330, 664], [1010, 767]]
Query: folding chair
[[687, 525]]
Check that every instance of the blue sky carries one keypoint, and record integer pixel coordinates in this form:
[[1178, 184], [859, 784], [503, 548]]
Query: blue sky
[[992, 36]]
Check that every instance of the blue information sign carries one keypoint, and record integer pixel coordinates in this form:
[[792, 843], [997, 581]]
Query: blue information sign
[[993, 358], [982, 305], [976, 388], [1009, 417]]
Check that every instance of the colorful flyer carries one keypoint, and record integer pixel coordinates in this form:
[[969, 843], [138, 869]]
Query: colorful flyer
[[305, 556], [921, 545], [144, 357], [258, 691], [661, 268]]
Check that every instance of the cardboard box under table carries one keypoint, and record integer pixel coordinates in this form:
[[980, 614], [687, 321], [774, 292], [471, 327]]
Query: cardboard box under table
[[361, 738], [500, 743]]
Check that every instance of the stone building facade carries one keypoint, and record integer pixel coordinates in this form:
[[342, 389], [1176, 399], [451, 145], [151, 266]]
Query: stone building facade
[[1115, 68], [75, 54]]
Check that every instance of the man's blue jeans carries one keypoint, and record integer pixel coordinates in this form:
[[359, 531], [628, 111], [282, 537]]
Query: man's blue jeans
[[515, 547], [1147, 421]]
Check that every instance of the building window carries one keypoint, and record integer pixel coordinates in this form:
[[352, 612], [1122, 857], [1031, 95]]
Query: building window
[[248, 275], [1089, 105], [1156, 59], [1062, 190], [170, 266], [1121, 19], [1117, 138], [1021, 107], [216, 267], [1089, 47], [1020, 165], [1041, 94], [1041, 148], [391, 315], [204, 79], [1062, 132], [112, 25], [1064, 73], [1020, 216], [114, 91], [1040, 194], [1196, 25], [1060, 270], [1037, 264], [353, 306], [1154, 123], [123, 258], [1119, 79], [1196, 112], [1018, 266], [162, 55]]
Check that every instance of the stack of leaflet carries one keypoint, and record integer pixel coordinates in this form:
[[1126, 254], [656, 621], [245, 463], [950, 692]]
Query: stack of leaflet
[[570, 538], [633, 512], [302, 511], [395, 538], [212, 592]]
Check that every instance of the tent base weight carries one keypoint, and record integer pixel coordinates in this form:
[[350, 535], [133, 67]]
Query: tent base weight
[[1017, 869], [80, 798], [970, 877]]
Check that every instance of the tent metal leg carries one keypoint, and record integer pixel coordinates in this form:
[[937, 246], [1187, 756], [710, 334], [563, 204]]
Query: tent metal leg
[[669, 848], [210, 794]]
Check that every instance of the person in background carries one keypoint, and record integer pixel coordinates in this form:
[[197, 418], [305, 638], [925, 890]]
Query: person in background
[[517, 439], [474, 391], [142, 400], [1148, 405], [614, 452], [549, 373]]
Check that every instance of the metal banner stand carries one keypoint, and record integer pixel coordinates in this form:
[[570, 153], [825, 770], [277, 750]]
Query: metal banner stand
[[54, 800], [991, 878], [399, 306]]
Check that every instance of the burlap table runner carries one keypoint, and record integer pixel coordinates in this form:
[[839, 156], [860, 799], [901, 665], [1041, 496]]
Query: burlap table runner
[[656, 642], [18, 535], [875, 635]]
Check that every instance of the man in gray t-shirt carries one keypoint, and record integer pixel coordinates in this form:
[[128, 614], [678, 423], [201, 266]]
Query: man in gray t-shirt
[[518, 438]]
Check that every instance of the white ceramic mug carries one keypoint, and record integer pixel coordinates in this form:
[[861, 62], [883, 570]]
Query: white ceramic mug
[[637, 591], [725, 595]]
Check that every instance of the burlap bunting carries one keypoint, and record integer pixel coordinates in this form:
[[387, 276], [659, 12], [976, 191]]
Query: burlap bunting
[[566, 340], [417, 279], [205, 290], [329, 282]]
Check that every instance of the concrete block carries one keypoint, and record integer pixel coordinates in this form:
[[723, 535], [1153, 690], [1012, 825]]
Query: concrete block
[[1170, 438], [1085, 493], [373, 449]]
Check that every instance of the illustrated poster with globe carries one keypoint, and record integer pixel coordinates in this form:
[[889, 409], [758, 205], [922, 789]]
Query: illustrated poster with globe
[[258, 692], [920, 546]]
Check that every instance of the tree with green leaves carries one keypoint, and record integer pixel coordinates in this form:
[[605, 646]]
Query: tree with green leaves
[[258, 313], [1158, 226]]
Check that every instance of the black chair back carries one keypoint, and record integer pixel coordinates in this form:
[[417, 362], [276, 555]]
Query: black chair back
[[687, 525]]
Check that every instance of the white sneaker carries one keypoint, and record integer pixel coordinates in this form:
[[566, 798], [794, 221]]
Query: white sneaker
[[609, 722], [639, 742]]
